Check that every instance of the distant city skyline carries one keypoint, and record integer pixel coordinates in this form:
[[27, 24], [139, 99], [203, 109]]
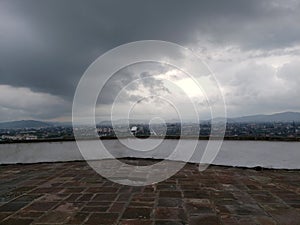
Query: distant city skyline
[[253, 48]]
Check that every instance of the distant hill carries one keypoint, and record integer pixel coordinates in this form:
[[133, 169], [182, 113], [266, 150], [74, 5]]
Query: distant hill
[[24, 124], [259, 118], [277, 117]]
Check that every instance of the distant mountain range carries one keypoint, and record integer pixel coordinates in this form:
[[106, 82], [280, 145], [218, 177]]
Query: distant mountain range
[[277, 117], [24, 124]]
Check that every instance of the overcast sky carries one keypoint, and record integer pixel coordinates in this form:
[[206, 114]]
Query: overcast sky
[[253, 47]]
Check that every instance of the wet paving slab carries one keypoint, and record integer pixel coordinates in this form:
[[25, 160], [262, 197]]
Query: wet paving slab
[[73, 193]]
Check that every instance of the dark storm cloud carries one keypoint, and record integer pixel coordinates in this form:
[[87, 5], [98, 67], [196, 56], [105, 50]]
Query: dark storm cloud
[[47, 45], [66, 36]]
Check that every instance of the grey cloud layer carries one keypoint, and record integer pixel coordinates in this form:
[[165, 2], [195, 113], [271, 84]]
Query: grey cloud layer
[[47, 45], [129, 79]]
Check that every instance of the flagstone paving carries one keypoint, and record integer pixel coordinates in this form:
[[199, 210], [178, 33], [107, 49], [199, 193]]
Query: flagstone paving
[[73, 193]]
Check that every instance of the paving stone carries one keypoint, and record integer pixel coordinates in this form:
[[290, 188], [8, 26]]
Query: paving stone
[[274, 207], [73, 197], [74, 190], [68, 206], [103, 204], [95, 209], [286, 216], [143, 199], [4, 215], [264, 220], [137, 213], [170, 194], [117, 207], [27, 198], [102, 190], [29, 214], [196, 194], [207, 219], [46, 190], [78, 218], [135, 222], [55, 217], [198, 206], [222, 210], [40, 206], [229, 221], [170, 202], [16, 221], [12, 206], [102, 218], [246, 209], [104, 197], [85, 197], [246, 220], [123, 197], [141, 204], [264, 197], [163, 222], [169, 214], [72, 193], [167, 187]]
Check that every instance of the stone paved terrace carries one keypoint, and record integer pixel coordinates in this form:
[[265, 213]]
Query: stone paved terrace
[[72, 193]]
